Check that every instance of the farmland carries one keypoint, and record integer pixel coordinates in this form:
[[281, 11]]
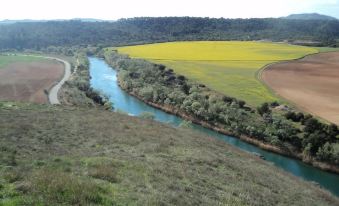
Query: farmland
[[302, 80], [24, 78], [227, 67], [8, 59]]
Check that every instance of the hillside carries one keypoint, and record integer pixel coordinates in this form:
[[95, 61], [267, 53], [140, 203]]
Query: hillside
[[310, 16], [80, 156], [38, 35]]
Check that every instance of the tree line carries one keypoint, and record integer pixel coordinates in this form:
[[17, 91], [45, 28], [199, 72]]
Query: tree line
[[37, 35]]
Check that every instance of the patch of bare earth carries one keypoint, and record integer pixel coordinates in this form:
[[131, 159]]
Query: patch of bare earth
[[312, 84], [26, 81]]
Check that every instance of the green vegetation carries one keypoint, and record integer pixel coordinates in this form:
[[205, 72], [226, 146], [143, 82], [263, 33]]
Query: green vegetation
[[40, 35], [6, 59], [147, 115], [77, 90], [82, 156], [227, 67], [327, 49], [158, 84]]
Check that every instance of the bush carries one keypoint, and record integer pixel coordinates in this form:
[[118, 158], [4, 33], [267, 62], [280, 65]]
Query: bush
[[104, 172], [264, 109], [119, 111], [241, 103], [295, 117], [312, 125], [325, 152], [50, 186], [275, 104], [108, 106], [306, 117], [186, 124], [147, 115]]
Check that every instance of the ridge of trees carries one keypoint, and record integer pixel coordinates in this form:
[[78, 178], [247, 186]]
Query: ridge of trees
[[37, 35]]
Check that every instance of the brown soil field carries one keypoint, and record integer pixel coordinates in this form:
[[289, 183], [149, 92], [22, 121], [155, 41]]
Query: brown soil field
[[311, 83], [26, 81]]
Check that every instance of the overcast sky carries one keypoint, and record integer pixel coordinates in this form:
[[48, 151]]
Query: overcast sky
[[115, 9]]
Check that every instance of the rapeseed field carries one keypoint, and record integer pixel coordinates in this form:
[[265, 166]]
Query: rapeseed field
[[229, 67]]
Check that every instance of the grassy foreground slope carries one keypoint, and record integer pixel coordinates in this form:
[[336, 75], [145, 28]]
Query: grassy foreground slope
[[74, 156], [228, 67]]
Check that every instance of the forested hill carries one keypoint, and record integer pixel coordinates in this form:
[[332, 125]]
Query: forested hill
[[310, 16], [35, 35]]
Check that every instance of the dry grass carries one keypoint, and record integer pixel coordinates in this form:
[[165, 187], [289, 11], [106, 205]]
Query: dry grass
[[97, 157]]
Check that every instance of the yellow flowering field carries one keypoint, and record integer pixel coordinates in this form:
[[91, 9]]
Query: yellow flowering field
[[229, 67]]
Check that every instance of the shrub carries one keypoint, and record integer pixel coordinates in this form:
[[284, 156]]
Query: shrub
[[119, 111], [263, 109], [50, 186], [104, 172], [241, 103], [295, 117], [147, 115], [312, 125], [325, 152], [181, 77], [306, 117], [186, 124], [274, 104], [146, 93]]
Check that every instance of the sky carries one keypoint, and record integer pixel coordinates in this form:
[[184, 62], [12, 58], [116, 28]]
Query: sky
[[116, 9]]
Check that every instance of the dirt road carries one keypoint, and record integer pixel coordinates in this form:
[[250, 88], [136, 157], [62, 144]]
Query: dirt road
[[53, 93]]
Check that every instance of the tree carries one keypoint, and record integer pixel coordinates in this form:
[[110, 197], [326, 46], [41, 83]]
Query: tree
[[196, 106], [241, 103], [312, 125], [325, 152], [146, 93], [317, 139], [295, 117], [264, 109]]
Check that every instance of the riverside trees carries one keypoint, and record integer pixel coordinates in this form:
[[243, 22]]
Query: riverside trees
[[159, 84]]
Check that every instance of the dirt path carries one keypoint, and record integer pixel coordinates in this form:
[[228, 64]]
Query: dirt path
[[311, 83], [53, 93]]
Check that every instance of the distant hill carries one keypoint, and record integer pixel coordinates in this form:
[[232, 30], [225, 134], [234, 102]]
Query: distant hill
[[310, 16], [36, 35], [8, 21]]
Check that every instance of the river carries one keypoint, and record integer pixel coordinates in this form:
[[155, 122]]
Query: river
[[103, 79]]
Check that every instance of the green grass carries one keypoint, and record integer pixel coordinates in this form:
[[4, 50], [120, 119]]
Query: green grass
[[327, 49], [229, 67], [6, 60], [80, 156]]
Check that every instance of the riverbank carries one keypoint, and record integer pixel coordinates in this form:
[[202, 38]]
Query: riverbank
[[217, 128], [77, 90], [104, 79]]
